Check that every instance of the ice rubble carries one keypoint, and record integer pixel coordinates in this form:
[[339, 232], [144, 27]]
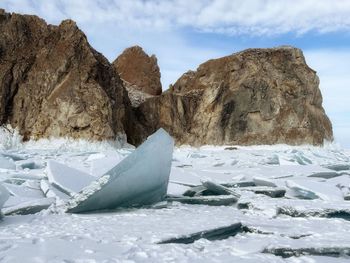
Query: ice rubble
[[255, 173], [141, 178]]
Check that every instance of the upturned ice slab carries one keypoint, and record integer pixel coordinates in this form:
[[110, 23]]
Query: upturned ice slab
[[140, 179]]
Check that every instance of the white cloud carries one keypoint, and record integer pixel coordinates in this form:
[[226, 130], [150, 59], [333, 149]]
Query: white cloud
[[257, 17]]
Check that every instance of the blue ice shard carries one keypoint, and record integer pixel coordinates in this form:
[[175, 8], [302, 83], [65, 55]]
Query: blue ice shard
[[139, 179]]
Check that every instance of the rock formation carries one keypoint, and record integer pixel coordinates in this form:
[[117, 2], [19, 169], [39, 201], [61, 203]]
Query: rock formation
[[140, 74], [53, 83], [257, 96]]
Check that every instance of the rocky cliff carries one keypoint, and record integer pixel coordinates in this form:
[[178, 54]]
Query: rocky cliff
[[258, 96], [53, 83]]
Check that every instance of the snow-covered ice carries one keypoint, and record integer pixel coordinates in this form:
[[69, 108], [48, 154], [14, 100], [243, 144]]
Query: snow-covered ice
[[132, 235]]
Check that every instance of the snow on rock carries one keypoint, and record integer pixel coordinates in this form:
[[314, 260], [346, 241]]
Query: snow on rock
[[67, 179], [141, 178]]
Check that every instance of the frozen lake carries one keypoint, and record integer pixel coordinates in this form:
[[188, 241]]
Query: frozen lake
[[311, 219]]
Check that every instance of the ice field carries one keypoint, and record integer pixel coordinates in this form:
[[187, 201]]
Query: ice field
[[224, 204]]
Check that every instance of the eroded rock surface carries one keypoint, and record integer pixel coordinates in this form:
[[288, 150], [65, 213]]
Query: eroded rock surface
[[257, 96], [53, 83]]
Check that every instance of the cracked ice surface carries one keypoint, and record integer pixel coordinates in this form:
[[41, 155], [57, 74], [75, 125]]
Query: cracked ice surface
[[131, 235]]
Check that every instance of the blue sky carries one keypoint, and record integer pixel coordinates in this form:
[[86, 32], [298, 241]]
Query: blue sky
[[185, 33]]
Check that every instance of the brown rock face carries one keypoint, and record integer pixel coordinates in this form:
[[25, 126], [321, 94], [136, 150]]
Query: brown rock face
[[53, 83], [139, 71], [258, 96]]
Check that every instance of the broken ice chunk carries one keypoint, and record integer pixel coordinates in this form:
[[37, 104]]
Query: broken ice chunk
[[272, 160], [51, 191], [274, 192], [325, 175], [301, 192], [23, 191], [7, 163], [239, 184], [29, 207], [258, 181], [140, 179], [199, 190], [212, 234], [28, 165], [13, 156], [307, 189], [286, 252], [219, 189], [4, 195], [66, 179], [317, 212], [205, 200], [339, 167], [301, 159]]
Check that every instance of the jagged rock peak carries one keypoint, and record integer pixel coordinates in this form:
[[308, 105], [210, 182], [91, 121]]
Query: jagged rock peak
[[139, 70]]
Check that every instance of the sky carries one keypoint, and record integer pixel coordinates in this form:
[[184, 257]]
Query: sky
[[183, 34]]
